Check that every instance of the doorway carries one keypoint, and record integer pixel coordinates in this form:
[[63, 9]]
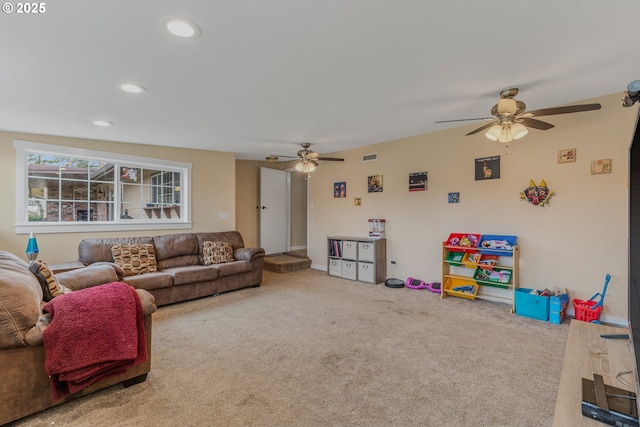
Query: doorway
[[282, 211]]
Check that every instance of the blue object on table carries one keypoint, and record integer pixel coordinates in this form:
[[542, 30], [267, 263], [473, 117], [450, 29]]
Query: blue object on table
[[32, 248]]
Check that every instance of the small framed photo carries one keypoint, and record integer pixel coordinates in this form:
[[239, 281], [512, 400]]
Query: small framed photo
[[487, 168], [600, 166], [340, 190], [357, 201], [374, 184], [418, 181], [454, 197], [567, 155]]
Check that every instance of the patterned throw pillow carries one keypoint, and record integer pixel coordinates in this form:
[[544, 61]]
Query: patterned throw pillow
[[216, 253], [135, 258], [50, 286]]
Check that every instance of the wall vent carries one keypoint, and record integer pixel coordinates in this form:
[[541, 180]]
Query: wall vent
[[370, 157]]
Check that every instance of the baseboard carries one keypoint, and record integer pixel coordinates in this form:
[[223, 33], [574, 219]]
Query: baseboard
[[319, 267], [298, 248]]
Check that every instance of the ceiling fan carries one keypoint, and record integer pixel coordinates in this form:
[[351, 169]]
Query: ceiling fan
[[510, 119], [308, 158]]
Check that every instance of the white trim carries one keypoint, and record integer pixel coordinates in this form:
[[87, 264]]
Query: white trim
[[96, 155], [21, 226], [288, 210], [46, 228]]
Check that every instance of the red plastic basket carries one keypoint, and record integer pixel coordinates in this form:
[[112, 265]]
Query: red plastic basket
[[585, 310]]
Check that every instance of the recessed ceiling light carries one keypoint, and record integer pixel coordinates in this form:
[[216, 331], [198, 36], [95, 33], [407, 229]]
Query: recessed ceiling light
[[131, 88], [180, 27], [102, 123]]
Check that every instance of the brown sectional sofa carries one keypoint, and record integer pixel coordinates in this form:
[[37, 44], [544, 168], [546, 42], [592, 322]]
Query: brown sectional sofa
[[181, 275], [25, 386]]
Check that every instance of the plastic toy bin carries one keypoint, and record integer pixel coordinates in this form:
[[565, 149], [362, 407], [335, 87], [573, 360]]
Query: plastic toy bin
[[453, 282], [494, 244], [533, 306], [463, 242]]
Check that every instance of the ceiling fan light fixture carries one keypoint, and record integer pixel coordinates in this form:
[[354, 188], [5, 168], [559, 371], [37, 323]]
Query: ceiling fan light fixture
[[505, 136], [518, 130], [300, 166], [308, 167], [494, 132], [507, 106]]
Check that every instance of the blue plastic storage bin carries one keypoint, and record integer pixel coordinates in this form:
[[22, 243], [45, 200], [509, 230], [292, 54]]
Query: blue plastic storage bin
[[533, 306], [510, 242]]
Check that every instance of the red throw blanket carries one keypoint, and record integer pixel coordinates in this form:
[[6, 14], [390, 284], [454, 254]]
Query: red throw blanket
[[94, 333]]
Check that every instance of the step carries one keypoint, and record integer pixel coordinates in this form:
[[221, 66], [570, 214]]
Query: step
[[285, 263]]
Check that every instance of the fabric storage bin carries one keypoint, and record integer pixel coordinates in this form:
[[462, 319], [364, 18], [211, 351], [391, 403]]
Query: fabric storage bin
[[349, 249], [349, 270], [365, 272], [365, 251], [533, 306], [335, 267]]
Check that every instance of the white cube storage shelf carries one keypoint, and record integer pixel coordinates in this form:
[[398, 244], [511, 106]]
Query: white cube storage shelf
[[357, 258]]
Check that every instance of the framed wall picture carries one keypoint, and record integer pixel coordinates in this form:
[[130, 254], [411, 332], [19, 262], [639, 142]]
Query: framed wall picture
[[374, 184], [567, 155], [340, 190], [600, 166], [454, 197], [418, 181], [487, 168]]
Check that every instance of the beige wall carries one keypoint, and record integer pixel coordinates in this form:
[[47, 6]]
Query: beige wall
[[573, 242], [298, 236], [213, 192], [247, 198]]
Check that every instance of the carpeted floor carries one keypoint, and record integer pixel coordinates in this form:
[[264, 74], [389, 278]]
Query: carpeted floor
[[308, 349]]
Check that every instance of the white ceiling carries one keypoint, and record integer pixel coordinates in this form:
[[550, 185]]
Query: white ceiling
[[266, 75]]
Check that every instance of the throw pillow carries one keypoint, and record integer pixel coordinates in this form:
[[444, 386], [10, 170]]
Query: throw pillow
[[135, 258], [216, 253], [50, 286]]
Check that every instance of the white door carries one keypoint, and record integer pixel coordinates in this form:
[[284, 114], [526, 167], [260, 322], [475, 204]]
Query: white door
[[274, 211]]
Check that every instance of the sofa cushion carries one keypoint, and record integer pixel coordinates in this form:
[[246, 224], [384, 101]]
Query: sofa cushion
[[93, 275], [232, 237], [175, 245], [180, 261], [192, 274], [231, 268], [150, 281], [135, 258], [20, 298], [216, 252], [95, 250], [51, 288]]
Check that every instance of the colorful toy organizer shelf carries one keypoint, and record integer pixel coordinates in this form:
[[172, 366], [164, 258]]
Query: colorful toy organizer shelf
[[481, 266]]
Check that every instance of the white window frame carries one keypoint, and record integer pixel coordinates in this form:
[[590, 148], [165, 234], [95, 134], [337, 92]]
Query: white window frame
[[22, 226]]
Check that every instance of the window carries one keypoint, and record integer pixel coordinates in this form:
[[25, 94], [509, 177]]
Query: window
[[69, 189]]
